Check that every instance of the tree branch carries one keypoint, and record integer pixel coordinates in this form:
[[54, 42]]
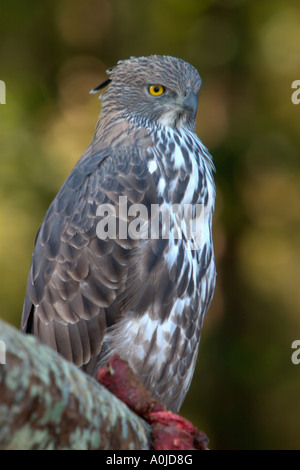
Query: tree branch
[[48, 403]]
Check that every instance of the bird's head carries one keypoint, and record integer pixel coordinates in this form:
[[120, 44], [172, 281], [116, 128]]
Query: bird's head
[[152, 90]]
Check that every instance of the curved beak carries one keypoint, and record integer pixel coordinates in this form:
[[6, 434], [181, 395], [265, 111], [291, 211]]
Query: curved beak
[[190, 102]]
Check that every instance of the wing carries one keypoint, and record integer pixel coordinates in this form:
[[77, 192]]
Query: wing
[[79, 284]]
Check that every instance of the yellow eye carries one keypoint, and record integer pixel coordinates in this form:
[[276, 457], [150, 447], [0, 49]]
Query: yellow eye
[[156, 90]]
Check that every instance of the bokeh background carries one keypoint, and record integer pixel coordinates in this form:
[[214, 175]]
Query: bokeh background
[[245, 392]]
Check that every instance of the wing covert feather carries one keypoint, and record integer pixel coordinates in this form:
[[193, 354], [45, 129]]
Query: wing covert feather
[[75, 277]]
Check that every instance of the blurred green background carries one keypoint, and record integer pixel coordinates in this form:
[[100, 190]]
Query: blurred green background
[[245, 392]]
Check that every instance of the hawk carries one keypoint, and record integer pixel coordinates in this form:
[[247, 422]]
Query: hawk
[[143, 297]]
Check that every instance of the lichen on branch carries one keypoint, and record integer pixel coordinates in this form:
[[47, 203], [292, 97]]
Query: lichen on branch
[[48, 403]]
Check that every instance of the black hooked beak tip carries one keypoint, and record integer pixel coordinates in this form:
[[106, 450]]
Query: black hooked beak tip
[[190, 102]]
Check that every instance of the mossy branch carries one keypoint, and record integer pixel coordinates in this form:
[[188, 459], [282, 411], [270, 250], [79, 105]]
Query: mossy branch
[[48, 403]]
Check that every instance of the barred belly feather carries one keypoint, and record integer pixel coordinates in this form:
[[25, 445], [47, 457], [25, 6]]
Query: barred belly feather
[[163, 349]]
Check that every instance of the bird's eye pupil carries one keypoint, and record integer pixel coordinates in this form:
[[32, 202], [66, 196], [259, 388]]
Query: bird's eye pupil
[[156, 90]]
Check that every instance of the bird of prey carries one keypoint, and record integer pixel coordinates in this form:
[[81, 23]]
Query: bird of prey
[[143, 297]]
